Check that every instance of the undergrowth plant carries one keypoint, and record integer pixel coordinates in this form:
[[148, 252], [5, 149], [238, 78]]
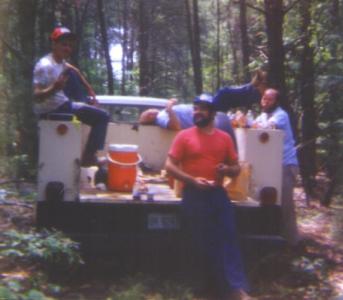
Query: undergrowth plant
[[50, 248]]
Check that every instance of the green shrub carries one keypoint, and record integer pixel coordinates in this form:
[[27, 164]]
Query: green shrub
[[50, 248]]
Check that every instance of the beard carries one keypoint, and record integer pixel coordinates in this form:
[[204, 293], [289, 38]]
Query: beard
[[202, 121]]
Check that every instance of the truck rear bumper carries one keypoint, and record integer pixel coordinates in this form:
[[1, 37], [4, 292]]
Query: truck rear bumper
[[151, 220]]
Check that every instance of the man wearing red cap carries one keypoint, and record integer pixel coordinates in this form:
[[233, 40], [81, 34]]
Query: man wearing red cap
[[51, 75]]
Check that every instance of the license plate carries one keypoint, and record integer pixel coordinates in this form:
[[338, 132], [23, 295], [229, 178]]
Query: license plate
[[163, 221]]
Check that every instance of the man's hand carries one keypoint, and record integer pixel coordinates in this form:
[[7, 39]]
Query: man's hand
[[170, 104], [226, 170], [92, 100], [202, 183], [41, 93]]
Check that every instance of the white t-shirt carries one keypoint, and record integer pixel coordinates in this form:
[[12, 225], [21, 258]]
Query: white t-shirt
[[46, 71]]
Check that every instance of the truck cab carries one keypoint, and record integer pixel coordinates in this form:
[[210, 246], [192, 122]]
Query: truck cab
[[112, 222]]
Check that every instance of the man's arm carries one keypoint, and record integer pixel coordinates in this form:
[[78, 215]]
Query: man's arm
[[84, 81], [41, 93], [172, 167], [174, 122]]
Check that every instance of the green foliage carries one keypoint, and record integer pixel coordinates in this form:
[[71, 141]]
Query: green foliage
[[11, 293], [145, 287], [20, 166], [50, 248]]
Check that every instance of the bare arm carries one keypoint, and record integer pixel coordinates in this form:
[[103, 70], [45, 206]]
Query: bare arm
[[84, 82], [41, 93], [174, 123]]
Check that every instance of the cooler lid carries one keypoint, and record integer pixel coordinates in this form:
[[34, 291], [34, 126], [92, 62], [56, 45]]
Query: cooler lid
[[123, 148]]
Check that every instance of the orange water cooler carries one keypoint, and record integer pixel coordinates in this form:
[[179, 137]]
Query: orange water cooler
[[123, 161]]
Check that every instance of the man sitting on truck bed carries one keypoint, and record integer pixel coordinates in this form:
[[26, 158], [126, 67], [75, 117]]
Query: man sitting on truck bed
[[273, 116], [49, 79], [200, 157]]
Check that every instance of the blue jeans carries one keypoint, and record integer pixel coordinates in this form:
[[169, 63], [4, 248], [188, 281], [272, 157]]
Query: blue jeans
[[210, 219], [92, 116]]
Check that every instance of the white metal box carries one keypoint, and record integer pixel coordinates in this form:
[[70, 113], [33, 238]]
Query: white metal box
[[263, 149], [59, 157]]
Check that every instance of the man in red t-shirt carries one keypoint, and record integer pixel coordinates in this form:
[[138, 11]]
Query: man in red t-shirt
[[200, 157]]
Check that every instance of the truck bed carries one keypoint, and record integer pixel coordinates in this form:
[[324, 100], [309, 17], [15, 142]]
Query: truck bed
[[157, 185]]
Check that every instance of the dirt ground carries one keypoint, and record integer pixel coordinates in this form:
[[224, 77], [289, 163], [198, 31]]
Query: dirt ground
[[314, 270]]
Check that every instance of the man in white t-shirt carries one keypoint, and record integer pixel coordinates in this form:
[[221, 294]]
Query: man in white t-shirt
[[50, 77]]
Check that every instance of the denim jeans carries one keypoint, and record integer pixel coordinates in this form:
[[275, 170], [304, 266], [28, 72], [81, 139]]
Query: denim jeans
[[209, 216]]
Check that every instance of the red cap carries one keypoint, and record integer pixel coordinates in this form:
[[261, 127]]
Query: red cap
[[61, 32]]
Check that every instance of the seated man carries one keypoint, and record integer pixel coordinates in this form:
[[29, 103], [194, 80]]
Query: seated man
[[180, 116], [50, 77]]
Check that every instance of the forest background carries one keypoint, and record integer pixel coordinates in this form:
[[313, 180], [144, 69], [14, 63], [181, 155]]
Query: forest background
[[181, 48]]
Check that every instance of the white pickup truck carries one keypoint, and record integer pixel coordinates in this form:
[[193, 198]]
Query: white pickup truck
[[112, 222]]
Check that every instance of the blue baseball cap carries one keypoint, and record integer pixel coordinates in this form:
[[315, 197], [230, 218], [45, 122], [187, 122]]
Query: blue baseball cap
[[204, 98]]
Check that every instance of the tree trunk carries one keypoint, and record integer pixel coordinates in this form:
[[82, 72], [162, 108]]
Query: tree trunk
[[105, 47], [218, 54], [143, 39], [197, 50], [274, 26], [194, 38], [307, 153], [231, 23], [124, 44], [80, 16], [26, 121], [334, 162], [244, 40]]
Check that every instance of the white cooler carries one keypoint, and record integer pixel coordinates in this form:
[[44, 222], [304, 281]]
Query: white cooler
[[263, 149]]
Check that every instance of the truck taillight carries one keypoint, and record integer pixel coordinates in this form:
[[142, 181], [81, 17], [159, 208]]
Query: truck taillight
[[62, 129]]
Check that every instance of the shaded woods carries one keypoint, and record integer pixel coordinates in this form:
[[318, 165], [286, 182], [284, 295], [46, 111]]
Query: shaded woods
[[180, 48]]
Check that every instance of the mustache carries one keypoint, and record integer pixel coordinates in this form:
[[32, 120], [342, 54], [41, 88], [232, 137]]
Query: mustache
[[201, 121]]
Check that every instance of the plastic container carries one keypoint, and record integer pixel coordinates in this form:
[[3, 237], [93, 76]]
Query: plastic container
[[122, 167], [87, 177]]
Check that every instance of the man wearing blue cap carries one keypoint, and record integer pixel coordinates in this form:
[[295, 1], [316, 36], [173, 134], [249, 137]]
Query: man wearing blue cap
[[200, 157], [50, 77]]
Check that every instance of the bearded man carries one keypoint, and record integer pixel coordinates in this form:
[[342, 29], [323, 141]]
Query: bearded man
[[200, 157], [273, 116]]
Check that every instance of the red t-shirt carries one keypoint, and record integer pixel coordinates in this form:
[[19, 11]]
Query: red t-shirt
[[199, 153]]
